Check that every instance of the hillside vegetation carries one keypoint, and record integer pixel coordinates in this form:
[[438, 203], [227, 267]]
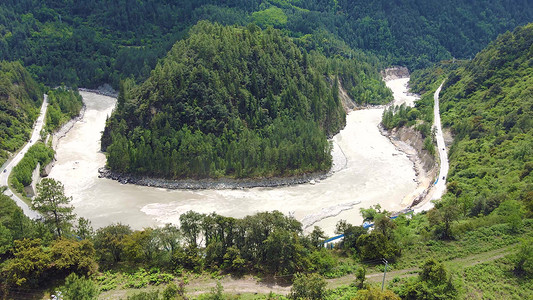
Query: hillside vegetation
[[488, 105], [20, 100], [23, 171], [234, 101], [63, 105], [88, 43]]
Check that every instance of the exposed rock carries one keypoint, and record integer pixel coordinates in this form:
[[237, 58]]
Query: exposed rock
[[394, 73], [411, 142], [61, 132], [414, 139], [31, 190], [105, 90], [347, 103], [46, 170]]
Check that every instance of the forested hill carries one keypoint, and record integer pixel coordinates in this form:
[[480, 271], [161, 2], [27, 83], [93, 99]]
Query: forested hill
[[488, 104], [414, 33], [233, 101], [87, 43], [20, 99]]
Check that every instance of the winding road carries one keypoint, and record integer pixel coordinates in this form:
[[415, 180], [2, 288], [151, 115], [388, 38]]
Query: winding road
[[440, 184], [11, 163]]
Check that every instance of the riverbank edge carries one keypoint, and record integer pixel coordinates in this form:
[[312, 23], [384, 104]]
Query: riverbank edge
[[425, 172], [57, 135], [224, 183], [105, 90], [217, 184]]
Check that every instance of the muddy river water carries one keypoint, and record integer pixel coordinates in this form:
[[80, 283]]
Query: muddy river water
[[370, 170]]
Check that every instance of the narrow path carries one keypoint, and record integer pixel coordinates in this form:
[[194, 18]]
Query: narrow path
[[11, 163], [249, 284], [440, 184]]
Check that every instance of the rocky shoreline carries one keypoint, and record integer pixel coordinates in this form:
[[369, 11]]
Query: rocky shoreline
[[394, 73], [216, 184], [410, 142], [199, 184]]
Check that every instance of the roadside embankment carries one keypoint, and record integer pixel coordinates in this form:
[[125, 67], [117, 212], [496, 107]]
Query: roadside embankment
[[410, 141]]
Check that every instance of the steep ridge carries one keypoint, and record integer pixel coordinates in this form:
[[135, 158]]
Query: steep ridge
[[89, 43]]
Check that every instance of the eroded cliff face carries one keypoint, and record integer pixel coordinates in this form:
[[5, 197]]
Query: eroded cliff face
[[347, 103], [394, 73], [411, 142], [414, 139]]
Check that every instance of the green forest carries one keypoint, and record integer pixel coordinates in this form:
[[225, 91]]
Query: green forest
[[250, 88], [63, 105], [64, 254], [235, 102], [92, 42], [487, 103], [20, 100], [22, 172]]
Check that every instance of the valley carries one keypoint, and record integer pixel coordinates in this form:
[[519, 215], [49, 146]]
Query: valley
[[374, 172]]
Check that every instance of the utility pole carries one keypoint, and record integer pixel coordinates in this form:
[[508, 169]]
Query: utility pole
[[384, 273]]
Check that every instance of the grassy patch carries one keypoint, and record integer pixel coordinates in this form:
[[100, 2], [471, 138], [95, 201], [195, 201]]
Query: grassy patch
[[473, 242], [495, 280]]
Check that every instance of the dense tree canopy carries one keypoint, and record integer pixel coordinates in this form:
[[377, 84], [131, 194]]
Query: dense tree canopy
[[487, 105], [23, 171], [63, 105], [234, 101], [98, 41], [20, 99], [53, 205]]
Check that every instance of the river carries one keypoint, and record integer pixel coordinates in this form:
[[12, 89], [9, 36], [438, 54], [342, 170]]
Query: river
[[370, 170]]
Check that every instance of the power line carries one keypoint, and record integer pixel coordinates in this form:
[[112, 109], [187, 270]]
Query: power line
[[384, 273]]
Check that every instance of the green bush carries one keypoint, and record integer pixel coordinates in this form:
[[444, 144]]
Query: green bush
[[22, 172], [79, 288]]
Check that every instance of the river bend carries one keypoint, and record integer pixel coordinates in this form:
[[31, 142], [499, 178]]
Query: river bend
[[370, 170]]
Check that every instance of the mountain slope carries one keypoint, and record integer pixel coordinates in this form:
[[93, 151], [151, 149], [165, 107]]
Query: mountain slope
[[232, 101], [488, 104], [20, 99], [414, 33], [88, 43]]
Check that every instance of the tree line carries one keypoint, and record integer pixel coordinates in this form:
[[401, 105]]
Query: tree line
[[23, 171], [486, 104], [63, 105], [37, 253]]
